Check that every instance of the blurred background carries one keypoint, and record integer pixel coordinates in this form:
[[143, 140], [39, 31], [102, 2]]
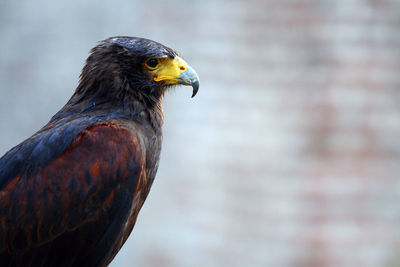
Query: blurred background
[[288, 156]]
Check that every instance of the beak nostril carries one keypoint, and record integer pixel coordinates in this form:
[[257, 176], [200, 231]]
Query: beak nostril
[[182, 68]]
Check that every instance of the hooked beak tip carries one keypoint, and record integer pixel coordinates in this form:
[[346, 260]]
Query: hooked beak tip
[[195, 86]]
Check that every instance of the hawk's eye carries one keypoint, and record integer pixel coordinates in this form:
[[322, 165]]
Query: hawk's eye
[[152, 63]]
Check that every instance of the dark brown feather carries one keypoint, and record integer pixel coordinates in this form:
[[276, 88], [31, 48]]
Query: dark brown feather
[[81, 189]]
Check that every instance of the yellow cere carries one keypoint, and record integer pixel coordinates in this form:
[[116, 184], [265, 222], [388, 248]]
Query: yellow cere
[[169, 70]]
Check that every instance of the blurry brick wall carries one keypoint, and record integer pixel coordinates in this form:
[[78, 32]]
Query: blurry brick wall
[[289, 155]]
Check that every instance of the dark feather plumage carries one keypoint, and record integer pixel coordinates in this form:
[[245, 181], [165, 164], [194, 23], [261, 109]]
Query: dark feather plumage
[[70, 194]]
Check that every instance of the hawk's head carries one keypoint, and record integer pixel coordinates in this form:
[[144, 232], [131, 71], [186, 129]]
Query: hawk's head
[[140, 65]]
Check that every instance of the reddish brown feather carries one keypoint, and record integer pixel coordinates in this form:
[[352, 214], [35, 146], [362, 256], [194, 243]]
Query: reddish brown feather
[[103, 151]]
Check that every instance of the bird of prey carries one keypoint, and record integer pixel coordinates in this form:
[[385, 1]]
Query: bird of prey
[[71, 193]]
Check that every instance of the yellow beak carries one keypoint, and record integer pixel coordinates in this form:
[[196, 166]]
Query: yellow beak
[[177, 71]]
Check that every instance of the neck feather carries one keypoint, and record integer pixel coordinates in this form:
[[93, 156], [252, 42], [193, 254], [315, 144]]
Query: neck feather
[[116, 95]]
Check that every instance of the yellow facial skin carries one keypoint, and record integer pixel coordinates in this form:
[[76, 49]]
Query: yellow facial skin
[[168, 70], [172, 71]]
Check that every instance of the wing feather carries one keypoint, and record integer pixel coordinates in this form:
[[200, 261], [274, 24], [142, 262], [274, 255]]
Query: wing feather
[[88, 189]]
